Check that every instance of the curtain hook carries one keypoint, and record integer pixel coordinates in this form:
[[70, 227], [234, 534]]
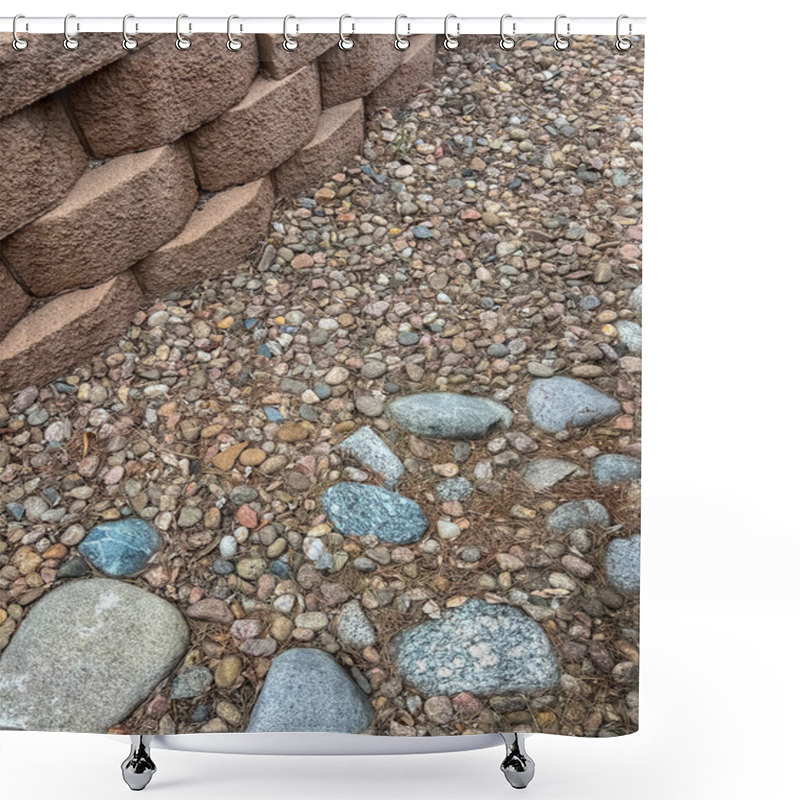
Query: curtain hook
[[17, 42], [70, 42], [623, 43], [345, 42], [560, 42], [234, 44], [451, 41], [401, 42], [290, 42], [507, 42], [128, 42], [181, 42]]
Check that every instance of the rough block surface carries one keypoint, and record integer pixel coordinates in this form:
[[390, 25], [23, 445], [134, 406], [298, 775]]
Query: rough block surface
[[13, 301], [278, 62], [415, 69]]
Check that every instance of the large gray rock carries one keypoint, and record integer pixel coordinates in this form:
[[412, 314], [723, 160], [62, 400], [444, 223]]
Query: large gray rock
[[442, 415], [615, 468], [372, 452], [307, 690], [545, 473], [479, 648], [623, 563], [578, 514], [358, 509], [87, 654], [554, 403]]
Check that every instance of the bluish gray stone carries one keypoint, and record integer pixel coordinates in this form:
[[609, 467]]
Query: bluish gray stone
[[615, 468], [86, 655], [307, 690], [630, 334], [554, 403], [353, 628], [191, 682], [622, 563], [372, 452], [478, 647], [544, 473], [635, 299], [578, 514], [458, 489], [443, 415], [122, 547], [358, 509]]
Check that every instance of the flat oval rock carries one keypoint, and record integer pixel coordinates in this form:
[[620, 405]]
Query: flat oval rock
[[86, 655], [555, 403], [443, 415], [359, 509]]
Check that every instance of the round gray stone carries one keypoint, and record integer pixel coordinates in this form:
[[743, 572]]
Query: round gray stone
[[578, 514], [615, 468], [86, 655], [307, 690], [623, 563], [191, 682], [443, 415], [554, 403]]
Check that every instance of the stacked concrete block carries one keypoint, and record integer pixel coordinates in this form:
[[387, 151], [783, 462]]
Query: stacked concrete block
[[113, 217], [13, 301], [217, 237], [274, 120], [414, 71], [279, 62], [158, 94], [67, 331]]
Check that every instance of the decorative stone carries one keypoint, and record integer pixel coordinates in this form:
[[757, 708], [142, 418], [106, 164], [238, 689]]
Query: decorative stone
[[122, 547], [354, 629], [616, 468], [191, 682], [479, 648], [623, 563], [358, 509], [86, 655], [578, 514], [307, 690], [554, 403], [630, 334], [454, 489], [372, 452], [544, 473], [443, 415]]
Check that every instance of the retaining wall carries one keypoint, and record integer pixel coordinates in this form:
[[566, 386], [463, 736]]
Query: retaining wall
[[128, 175]]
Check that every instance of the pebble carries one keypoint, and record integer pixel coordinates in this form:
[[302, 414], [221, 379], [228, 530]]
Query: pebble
[[371, 451], [190, 682], [578, 514], [443, 415], [544, 473], [622, 563], [353, 628], [615, 468]]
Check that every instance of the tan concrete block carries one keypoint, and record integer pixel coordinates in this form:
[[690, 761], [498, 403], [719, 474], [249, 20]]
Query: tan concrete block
[[278, 62], [45, 66], [41, 147], [66, 331], [113, 217], [217, 238], [415, 69], [339, 136], [248, 141], [156, 95], [347, 74], [13, 301]]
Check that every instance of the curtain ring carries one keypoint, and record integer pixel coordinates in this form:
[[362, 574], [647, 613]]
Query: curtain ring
[[507, 42], [181, 42], [401, 42], [128, 42], [345, 42], [289, 42], [234, 44], [623, 43], [17, 42], [70, 42], [451, 41], [560, 42]]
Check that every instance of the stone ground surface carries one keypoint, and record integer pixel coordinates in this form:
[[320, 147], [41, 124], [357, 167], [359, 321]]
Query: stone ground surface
[[489, 239]]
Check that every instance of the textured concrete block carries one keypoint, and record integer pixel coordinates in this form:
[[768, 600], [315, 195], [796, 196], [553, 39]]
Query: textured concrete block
[[46, 66], [278, 62], [41, 148], [114, 216], [217, 237], [415, 69], [347, 74], [156, 95], [339, 136], [66, 331], [13, 301], [248, 141]]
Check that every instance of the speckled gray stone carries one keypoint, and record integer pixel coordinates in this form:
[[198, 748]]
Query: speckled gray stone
[[477, 647], [86, 655], [630, 334], [353, 628], [615, 468], [359, 509], [191, 682], [635, 299], [307, 690], [545, 473], [622, 563], [578, 514], [554, 403], [443, 415], [458, 489], [372, 452]]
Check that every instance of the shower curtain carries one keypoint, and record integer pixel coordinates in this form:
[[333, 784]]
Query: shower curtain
[[320, 380]]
